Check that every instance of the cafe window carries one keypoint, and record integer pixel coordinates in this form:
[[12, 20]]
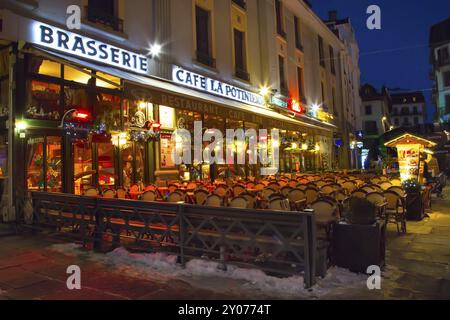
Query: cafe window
[[321, 52], [83, 167], [44, 163], [107, 110], [137, 113], [106, 165], [44, 100], [45, 67], [282, 75], [105, 80], [76, 75], [133, 164]]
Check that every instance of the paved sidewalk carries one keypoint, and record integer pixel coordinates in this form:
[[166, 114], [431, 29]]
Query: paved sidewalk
[[418, 268]]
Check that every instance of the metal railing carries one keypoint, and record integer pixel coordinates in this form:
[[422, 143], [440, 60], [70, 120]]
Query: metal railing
[[282, 243]]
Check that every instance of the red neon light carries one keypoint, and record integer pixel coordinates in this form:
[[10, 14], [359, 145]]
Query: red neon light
[[81, 115], [296, 107]]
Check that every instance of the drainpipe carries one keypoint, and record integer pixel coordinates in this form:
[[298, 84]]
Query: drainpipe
[[9, 215]]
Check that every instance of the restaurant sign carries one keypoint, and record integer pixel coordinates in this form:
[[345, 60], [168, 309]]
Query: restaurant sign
[[84, 47], [199, 82]]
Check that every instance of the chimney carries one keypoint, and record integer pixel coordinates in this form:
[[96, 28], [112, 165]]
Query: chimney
[[332, 15]]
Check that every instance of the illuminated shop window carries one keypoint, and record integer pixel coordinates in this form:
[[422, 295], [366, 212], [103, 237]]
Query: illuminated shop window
[[106, 166], [167, 117], [83, 172], [44, 101], [35, 159], [72, 74], [113, 82], [54, 165], [44, 67]]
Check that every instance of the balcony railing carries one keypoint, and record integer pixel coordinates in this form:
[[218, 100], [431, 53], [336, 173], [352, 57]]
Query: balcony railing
[[96, 15], [242, 74], [206, 59]]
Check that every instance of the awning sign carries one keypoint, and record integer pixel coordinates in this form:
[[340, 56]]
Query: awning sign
[[199, 82], [84, 47]]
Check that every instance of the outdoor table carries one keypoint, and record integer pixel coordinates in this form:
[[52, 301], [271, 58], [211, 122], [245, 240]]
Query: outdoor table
[[135, 195]]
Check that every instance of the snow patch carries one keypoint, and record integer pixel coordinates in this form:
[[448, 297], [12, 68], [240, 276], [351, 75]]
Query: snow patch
[[163, 267]]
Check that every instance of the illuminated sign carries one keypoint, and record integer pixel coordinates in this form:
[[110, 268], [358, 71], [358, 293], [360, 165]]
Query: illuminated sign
[[212, 86], [279, 102], [296, 107], [74, 44]]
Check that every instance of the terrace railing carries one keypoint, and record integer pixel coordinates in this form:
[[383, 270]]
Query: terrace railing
[[281, 243]]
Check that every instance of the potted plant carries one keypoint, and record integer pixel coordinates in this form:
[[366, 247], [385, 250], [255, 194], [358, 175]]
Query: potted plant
[[359, 241], [414, 200]]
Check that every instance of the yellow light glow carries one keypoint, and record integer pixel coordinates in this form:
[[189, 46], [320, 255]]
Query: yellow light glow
[[264, 91], [142, 105], [294, 146], [317, 148], [21, 125]]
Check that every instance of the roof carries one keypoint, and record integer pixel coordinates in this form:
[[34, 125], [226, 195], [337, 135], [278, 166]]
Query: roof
[[440, 33], [409, 138]]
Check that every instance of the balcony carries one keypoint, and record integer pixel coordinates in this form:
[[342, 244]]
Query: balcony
[[96, 15], [242, 74], [206, 59]]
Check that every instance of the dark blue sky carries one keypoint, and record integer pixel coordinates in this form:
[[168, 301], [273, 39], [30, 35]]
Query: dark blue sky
[[396, 56]]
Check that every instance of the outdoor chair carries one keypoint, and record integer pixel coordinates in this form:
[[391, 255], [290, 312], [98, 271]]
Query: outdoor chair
[[251, 200], [285, 191], [121, 193], [398, 190], [91, 192], [279, 205], [266, 193], [385, 185], [238, 202], [151, 187], [149, 195], [134, 188], [176, 197], [222, 190], [379, 201], [274, 185], [359, 194], [328, 190], [250, 185], [396, 182], [200, 196], [238, 189], [349, 186], [213, 200], [109, 194], [395, 211], [320, 184], [311, 195], [292, 183]]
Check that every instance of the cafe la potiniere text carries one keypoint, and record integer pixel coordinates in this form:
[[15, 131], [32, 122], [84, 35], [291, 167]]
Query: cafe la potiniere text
[[69, 42]]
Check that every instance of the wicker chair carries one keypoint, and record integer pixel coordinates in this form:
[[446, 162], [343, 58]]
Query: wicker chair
[[266, 193], [176, 197], [213, 200], [359, 194], [238, 202], [200, 196], [311, 195], [121, 193], [395, 211], [385, 185], [109, 194], [91, 192], [285, 191], [149, 195], [238, 189], [279, 205], [251, 200]]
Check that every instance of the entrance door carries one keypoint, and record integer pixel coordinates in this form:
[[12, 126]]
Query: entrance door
[[44, 163]]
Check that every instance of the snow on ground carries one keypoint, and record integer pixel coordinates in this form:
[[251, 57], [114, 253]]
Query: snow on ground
[[202, 273]]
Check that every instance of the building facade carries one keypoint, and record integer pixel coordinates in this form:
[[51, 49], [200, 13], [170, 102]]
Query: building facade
[[409, 110], [376, 121], [440, 73], [98, 106], [351, 82]]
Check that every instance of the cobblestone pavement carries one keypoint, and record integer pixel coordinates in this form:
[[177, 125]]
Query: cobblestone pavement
[[418, 268]]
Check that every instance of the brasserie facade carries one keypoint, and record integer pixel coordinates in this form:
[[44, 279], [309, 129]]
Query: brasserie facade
[[78, 112]]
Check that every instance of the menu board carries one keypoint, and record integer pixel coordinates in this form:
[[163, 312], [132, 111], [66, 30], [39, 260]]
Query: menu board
[[408, 160], [167, 146]]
